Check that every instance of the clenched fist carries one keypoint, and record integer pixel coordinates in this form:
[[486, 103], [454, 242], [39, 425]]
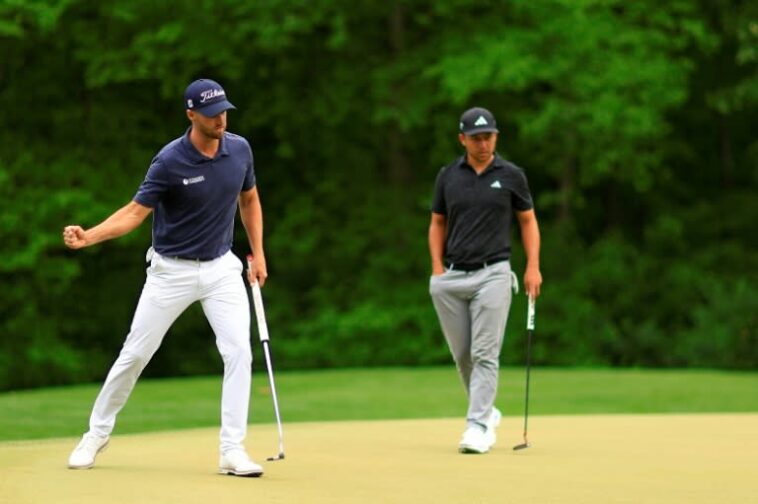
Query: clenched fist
[[74, 237]]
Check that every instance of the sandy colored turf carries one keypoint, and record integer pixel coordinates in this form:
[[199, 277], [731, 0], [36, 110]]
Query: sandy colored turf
[[574, 459]]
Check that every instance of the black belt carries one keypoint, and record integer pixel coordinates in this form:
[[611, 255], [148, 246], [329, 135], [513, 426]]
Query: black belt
[[196, 259], [472, 266]]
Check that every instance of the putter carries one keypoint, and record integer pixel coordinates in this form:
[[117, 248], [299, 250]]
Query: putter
[[263, 334], [529, 331]]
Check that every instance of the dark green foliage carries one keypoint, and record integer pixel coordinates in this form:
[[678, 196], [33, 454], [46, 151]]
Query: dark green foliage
[[632, 119]]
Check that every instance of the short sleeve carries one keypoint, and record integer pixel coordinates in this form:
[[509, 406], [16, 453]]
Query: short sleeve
[[439, 205], [249, 181], [521, 198], [155, 185]]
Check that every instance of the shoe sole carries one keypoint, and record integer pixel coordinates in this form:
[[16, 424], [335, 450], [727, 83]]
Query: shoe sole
[[232, 472], [89, 466], [471, 450]]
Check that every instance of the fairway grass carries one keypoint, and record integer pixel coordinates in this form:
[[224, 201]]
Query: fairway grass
[[380, 393]]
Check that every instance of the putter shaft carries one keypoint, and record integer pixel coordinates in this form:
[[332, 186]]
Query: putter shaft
[[260, 314], [530, 329]]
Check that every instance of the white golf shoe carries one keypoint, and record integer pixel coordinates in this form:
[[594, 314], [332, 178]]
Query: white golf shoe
[[492, 424], [237, 463], [479, 440], [83, 456], [474, 440]]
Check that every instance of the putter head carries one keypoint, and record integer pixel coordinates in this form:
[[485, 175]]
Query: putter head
[[522, 446], [278, 457]]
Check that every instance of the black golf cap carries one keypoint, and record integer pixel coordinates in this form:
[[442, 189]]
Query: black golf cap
[[207, 97], [477, 120]]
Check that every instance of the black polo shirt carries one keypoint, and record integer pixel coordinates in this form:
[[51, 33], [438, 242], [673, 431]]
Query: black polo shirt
[[479, 208], [194, 197]]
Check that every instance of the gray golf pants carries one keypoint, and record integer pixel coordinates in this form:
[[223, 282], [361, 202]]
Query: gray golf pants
[[472, 308]]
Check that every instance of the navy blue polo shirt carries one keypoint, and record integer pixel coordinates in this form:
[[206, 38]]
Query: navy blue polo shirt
[[479, 208], [194, 198]]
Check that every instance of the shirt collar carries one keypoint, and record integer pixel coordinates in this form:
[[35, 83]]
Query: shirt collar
[[497, 162], [195, 155]]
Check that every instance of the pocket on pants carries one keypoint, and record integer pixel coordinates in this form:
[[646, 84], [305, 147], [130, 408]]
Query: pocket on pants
[[155, 267], [496, 292], [235, 262], [434, 283]]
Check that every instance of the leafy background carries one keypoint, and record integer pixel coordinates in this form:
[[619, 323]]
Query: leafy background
[[633, 120]]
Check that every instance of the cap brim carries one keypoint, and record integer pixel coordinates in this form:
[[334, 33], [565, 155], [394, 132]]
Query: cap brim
[[476, 131], [215, 109]]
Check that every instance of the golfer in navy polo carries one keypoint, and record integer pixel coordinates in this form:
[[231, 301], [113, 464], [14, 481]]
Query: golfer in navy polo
[[193, 188], [475, 198]]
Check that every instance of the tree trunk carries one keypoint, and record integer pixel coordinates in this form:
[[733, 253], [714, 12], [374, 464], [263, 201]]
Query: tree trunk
[[727, 158], [399, 171]]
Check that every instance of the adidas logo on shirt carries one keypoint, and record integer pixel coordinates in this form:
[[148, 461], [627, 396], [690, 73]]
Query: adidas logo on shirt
[[496, 184]]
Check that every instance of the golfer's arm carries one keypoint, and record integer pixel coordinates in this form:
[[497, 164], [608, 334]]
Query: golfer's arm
[[437, 234], [530, 235], [122, 221], [251, 215]]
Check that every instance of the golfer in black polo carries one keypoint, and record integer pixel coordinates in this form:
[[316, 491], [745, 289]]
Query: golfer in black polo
[[475, 198]]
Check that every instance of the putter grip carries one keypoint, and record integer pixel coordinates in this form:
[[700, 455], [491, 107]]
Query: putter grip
[[258, 304], [530, 315]]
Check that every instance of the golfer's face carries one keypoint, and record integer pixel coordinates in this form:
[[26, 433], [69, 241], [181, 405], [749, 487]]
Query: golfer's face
[[211, 127], [481, 146]]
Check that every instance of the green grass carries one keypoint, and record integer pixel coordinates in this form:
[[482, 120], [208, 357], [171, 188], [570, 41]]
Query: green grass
[[384, 393]]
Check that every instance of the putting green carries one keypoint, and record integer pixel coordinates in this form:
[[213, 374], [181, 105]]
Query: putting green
[[574, 459]]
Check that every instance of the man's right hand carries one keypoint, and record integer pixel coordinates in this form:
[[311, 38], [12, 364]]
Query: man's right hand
[[74, 237]]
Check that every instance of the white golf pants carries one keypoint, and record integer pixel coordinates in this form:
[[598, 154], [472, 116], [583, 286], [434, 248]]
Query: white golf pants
[[171, 286]]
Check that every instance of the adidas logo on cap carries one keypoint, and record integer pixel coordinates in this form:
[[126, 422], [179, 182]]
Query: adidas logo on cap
[[477, 120]]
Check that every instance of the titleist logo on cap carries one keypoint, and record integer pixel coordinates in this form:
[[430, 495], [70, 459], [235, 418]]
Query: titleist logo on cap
[[207, 97], [210, 94]]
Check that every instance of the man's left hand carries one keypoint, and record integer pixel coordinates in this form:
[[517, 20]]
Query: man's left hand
[[258, 270], [532, 282]]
